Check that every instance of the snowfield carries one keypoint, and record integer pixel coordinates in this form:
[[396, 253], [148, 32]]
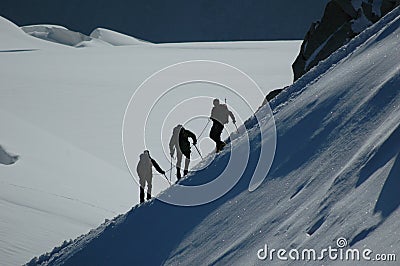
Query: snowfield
[[61, 110], [335, 176]]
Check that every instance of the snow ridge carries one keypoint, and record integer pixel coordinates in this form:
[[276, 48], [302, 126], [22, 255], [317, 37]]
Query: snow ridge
[[115, 38], [334, 175]]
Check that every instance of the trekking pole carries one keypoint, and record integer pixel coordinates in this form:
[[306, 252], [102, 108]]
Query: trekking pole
[[237, 130], [201, 133], [170, 170], [198, 152], [167, 179]]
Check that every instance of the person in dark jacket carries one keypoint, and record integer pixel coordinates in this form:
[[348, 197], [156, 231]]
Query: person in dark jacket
[[220, 116], [180, 143], [145, 172]]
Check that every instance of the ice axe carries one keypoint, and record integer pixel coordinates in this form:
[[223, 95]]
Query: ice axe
[[198, 151], [167, 179], [170, 170], [237, 130]]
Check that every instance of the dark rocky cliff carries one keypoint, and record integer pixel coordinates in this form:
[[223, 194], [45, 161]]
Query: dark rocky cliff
[[342, 20]]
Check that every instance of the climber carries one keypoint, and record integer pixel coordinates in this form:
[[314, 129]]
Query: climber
[[220, 116], [180, 143], [145, 172]]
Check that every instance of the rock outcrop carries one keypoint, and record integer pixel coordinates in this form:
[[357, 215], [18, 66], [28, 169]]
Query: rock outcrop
[[6, 158], [342, 20]]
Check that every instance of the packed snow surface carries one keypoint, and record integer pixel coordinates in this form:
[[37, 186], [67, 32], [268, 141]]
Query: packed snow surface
[[61, 111], [335, 175]]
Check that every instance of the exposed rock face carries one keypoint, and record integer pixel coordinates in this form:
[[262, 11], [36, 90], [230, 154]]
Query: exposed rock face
[[272, 95], [342, 20], [6, 158]]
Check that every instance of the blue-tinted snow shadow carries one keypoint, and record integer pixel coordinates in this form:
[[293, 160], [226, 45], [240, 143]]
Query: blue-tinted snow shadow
[[391, 146], [389, 199], [152, 231], [303, 141], [389, 30], [386, 152], [18, 50]]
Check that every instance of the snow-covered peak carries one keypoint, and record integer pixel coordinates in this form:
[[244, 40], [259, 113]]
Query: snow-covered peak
[[15, 39], [115, 38], [62, 35], [8, 26], [99, 37]]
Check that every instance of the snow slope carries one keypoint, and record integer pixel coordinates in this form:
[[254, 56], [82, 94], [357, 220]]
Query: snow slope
[[335, 174], [61, 111]]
